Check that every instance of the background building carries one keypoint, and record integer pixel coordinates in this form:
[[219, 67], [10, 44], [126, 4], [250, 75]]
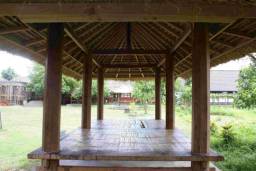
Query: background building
[[223, 86], [13, 92]]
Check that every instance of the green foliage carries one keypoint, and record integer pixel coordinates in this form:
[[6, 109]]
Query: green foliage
[[36, 84], [213, 128], [8, 74], [186, 93], [227, 134], [68, 85], [222, 111], [144, 91], [77, 94], [247, 87]]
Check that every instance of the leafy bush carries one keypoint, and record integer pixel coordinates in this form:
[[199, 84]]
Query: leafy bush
[[213, 128], [227, 134]]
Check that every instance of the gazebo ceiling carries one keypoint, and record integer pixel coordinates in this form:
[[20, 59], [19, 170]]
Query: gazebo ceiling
[[128, 50]]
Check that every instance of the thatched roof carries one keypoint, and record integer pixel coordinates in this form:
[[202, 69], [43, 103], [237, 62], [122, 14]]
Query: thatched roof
[[129, 50]]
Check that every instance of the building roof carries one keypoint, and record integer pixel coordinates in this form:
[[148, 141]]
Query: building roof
[[120, 86], [223, 80], [128, 38], [17, 79]]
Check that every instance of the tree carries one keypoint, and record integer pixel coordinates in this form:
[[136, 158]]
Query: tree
[[8, 74], [246, 94], [36, 84], [144, 91], [77, 94]]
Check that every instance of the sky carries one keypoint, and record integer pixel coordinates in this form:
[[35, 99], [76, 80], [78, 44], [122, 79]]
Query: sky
[[23, 66]]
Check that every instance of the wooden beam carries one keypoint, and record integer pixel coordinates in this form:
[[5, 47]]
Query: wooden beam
[[211, 38], [129, 52], [100, 107], [128, 65], [69, 31], [170, 97], [200, 95], [177, 45], [238, 34], [182, 11], [12, 30], [87, 86], [158, 93], [129, 36], [52, 95]]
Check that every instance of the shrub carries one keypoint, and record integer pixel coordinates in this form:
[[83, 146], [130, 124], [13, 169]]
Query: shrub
[[213, 128], [227, 134]]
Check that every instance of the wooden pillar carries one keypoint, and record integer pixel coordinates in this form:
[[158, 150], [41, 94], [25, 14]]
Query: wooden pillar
[[52, 94], [100, 94], [170, 97], [87, 86], [158, 94], [200, 95]]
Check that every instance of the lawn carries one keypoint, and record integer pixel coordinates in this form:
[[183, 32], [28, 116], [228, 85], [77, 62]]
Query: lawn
[[22, 127]]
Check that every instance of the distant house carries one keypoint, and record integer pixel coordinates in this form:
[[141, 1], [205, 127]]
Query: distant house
[[13, 92], [224, 81], [120, 92], [223, 86]]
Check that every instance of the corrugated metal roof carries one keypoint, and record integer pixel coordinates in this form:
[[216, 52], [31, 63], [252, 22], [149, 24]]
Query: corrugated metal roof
[[120, 86], [224, 80]]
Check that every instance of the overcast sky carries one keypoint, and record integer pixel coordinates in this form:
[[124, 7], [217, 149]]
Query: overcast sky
[[23, 66]]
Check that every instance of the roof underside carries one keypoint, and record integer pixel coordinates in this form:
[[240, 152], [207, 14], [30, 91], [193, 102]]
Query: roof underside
[[128, 50]]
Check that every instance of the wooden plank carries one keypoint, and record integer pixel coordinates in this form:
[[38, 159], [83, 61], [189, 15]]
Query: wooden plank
[[170, 97], [120, 169], [182, 11], [200, 94], [87, 85], [157, 94], [100, 107], [129, 52], [52, 93], [126, 140]]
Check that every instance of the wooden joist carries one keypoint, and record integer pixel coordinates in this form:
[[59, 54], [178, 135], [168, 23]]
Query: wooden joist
[[129, 52], [193, 11], [12, 30], [177, 45], [78, 42]]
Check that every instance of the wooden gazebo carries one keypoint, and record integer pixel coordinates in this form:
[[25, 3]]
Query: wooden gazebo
[[115, 39]]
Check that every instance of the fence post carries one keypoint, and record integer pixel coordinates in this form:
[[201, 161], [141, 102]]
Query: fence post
[[0, 121]]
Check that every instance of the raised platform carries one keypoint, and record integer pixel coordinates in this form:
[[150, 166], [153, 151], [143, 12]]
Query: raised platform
[[132, 140]]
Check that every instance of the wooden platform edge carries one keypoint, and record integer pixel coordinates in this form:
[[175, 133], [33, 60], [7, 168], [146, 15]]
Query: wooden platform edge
[[39, 154], [70, 168]]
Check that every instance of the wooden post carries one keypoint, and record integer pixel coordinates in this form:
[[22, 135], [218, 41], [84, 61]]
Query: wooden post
[[87, 85], [158, 94], [52, 94], [170, 97], [200, 95], [100, 94]]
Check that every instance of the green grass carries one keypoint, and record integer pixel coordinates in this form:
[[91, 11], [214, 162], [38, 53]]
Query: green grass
[[22, 130]]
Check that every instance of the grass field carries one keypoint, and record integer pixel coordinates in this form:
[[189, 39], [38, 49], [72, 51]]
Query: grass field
[[22, 127]]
